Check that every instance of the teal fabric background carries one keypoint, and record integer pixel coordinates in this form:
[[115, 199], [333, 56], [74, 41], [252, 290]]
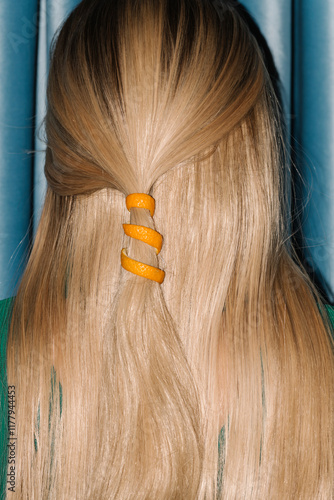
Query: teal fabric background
[[300, 34]]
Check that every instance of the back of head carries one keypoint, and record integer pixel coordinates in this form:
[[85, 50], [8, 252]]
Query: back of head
[[170, 99], [137, 88]]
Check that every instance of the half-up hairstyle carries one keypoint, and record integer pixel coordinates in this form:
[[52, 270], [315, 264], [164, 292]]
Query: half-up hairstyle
[[124, 387]]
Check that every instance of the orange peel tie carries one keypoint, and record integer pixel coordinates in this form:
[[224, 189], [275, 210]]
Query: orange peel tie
[[140, 200], [145, 234]]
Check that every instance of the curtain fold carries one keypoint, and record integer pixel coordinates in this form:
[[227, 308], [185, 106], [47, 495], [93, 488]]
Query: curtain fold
[[313, 135], [300, 35], [51, 14], [18, 45], [274, 18]]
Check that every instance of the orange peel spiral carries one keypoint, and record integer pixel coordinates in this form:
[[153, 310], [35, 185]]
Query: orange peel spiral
[[145, 234]]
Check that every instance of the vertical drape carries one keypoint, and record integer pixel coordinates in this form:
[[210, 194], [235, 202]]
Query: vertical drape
[[300, 34], [275, 23], [52, 14], [26, 30], [313, 133], [18, 44]]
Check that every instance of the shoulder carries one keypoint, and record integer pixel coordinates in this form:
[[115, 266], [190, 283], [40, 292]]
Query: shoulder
[[330, 312], [5, 308], [5, 314]]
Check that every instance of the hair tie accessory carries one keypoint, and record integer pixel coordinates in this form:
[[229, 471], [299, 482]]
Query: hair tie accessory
[[145, 234], [140, 200]]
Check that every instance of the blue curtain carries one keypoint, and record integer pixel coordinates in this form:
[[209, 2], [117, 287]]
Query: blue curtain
[[26, 31], [300, 35]]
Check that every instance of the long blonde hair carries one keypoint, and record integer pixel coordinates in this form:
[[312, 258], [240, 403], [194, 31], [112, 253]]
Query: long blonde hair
[[123, 386]]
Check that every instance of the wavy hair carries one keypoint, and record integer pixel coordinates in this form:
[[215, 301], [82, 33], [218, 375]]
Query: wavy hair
[[124, 387]]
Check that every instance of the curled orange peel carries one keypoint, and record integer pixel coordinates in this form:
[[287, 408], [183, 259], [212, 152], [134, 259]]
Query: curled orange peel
[[140, 200], [141, 269], [145, 234]]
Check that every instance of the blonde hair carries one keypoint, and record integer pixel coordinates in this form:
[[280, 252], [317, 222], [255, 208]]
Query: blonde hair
[[123, 386]]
